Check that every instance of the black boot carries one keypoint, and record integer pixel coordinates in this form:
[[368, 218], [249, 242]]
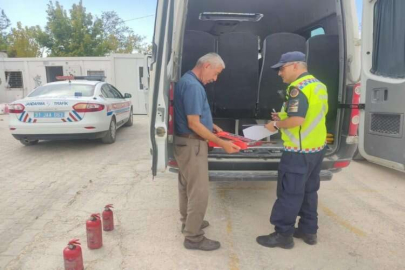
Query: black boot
[[276, 240], [310, 239]]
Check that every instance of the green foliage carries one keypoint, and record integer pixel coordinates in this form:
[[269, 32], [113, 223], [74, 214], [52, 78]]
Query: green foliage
[[70, 33], [82, 35], [22, 41], [4, 24]]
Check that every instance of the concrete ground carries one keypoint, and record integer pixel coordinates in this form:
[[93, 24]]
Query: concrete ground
[[48, 191]]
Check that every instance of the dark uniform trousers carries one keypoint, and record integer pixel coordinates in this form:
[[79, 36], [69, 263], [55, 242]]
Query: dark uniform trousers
[[297, 192]]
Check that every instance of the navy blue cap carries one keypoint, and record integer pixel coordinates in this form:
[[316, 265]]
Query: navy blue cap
[[288, 58]]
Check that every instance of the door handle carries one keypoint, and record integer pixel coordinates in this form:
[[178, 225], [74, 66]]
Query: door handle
[[380, 95]]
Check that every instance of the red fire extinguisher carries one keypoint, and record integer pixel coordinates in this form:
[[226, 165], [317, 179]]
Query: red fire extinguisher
[[94, 233], [108, 218], [72, 256]]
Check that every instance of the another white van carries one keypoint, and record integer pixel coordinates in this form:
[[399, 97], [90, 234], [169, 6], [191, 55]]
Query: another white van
[[251, 36]]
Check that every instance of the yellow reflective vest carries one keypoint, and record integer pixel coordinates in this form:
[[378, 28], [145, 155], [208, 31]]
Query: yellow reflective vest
[[311, 135]]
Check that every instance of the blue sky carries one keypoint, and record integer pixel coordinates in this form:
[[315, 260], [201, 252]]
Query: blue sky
[[31, 13], [359, 5]]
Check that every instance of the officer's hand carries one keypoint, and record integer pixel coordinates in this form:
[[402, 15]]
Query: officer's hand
[[270, 126], [230, 147], [275, 117]]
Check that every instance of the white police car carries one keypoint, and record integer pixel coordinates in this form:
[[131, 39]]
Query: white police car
[[70, 109]]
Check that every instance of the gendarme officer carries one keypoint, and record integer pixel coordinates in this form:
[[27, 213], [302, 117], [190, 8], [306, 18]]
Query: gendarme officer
[[302, 125]]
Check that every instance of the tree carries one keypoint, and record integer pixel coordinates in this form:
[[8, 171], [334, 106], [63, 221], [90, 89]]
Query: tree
[[22, 41], [82, 35], [4, 24], [119, 37]]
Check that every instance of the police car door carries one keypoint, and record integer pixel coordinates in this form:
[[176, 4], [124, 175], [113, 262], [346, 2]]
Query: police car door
[[121, 105], [381, 133], [169, 24]]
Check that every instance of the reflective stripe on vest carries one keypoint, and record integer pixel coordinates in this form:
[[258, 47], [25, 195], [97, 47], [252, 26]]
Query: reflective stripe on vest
[[314, 123], [312, 133]]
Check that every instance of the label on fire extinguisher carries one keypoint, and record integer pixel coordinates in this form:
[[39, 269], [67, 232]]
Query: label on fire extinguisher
[[71, 265], [90, 237]]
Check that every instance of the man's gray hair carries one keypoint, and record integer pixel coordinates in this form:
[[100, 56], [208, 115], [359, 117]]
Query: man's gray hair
[[212, 58], [302, 64]]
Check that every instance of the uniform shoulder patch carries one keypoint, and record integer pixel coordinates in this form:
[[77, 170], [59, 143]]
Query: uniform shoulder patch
[[293, 106], [294, 92]]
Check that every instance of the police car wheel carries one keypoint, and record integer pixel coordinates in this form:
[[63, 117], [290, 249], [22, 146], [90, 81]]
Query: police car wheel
[[130, 121], [28, 142], [111, 133]]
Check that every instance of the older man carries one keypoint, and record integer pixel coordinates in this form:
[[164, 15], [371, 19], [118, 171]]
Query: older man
[[193, 127], [302, 124]]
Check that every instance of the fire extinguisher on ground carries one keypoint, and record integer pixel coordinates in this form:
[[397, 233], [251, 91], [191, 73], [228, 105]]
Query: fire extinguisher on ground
[[72, 256], [94, 232], [108, 218]]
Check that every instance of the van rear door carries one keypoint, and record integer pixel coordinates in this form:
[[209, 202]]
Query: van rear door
[[381, 133], [169, 24]]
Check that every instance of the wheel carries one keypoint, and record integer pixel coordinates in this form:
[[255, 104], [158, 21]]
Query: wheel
[[111, 134], [130, 121], [28, 142]]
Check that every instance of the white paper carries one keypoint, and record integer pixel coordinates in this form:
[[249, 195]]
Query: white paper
[[257, 132]]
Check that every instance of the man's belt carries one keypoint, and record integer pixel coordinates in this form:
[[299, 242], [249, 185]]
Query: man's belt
[[191, 136]]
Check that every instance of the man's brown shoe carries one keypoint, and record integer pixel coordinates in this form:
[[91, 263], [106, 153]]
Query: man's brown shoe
[[205, 244], [204, 225]]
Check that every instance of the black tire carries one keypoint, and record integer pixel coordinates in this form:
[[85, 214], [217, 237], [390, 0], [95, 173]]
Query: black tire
[[28, 142], [111, 134], [130, 121]]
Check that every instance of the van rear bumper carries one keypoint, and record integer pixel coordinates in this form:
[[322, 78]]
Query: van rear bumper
[[218, 176]]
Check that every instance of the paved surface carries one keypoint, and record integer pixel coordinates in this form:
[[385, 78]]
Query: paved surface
[[49, 190]]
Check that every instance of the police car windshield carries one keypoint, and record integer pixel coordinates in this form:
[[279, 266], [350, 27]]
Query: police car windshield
[[64, 90]]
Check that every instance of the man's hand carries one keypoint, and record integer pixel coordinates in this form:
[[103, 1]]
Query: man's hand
[[217, 129], [270, 126], [230, 147], [275, 117]]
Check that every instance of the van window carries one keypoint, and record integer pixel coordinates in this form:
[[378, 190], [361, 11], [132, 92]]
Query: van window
[[318, 31], [389, 39], [170, 32]]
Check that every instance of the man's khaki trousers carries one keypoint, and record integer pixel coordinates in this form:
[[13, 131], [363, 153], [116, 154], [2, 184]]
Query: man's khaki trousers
[[192, 158]]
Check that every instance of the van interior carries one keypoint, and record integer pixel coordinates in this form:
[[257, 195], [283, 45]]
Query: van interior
[[250, 36]]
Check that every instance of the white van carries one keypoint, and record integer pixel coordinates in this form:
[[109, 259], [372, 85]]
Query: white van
[[251, 36]]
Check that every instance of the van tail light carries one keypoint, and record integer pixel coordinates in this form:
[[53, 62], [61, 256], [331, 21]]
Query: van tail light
[[173, 163], [341, 164], [355, 114], [171, 109], [88, 107], [15, 108]]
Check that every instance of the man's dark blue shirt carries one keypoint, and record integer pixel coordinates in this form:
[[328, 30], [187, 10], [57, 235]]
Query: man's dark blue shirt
[[190, 99]]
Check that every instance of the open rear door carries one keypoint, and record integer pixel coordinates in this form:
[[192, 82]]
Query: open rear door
[[381, 133], [157, 105], [169, 24]]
